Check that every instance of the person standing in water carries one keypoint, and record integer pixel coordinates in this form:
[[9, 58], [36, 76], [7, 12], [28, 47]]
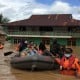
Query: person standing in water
[[69, 64]]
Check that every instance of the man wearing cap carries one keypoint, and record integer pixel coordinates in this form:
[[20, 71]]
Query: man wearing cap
[[69, 64]]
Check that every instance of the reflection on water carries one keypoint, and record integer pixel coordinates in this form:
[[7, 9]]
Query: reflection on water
[[8, 73]]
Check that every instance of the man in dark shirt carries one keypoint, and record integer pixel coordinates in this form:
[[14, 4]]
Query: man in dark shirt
[[55, 48]]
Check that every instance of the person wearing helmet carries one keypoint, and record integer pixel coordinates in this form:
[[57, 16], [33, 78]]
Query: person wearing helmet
[[69, 64]]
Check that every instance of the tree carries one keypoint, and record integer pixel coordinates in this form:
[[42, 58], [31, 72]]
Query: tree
[[3, 19], [2, 33]]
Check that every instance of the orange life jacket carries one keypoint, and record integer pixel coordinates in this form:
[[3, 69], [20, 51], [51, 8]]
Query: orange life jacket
[[67, 63], [70, 66]]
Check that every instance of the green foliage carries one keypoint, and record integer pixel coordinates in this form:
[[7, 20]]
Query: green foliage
[[3, 19]]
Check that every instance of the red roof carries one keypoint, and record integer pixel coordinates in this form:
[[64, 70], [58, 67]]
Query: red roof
[[47, 20]]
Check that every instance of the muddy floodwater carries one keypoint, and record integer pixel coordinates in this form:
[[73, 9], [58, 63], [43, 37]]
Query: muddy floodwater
[[8, 73]]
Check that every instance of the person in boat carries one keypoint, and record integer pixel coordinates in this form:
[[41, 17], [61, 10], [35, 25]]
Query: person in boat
[[55, 48], [42, 47], [62, 50], [35, 47], [30, 50], [21, 46], [43, 50], [69, 64]]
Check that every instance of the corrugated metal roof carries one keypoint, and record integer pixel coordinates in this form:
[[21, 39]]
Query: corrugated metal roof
[[47, 20]]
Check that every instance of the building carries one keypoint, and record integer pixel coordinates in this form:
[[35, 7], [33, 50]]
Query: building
[[45, 28]]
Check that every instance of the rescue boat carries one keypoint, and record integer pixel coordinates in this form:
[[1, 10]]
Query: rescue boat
[[33, 62]]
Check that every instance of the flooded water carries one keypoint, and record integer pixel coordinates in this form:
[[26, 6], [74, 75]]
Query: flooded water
[[8, 73]]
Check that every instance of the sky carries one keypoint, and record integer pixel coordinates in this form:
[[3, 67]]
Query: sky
[[22, 9]]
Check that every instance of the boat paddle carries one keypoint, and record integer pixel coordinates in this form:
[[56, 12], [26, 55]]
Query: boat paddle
[[8, 53]]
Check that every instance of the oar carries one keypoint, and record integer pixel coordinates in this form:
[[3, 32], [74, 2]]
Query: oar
[[8, 53]]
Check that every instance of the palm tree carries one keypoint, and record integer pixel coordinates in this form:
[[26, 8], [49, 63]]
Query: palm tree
[[3, 19]]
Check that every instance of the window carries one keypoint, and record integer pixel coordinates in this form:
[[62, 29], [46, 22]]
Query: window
[[72, 29], [22, 28], [45, 29]]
